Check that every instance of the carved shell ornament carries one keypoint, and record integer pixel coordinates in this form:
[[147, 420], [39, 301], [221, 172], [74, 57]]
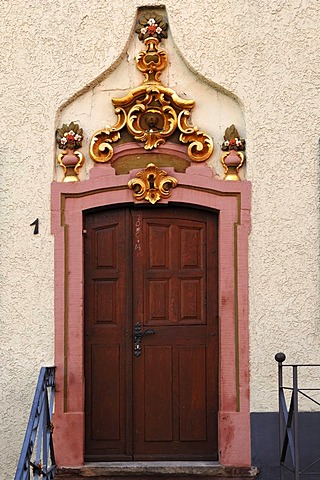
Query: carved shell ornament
[[152, 112]]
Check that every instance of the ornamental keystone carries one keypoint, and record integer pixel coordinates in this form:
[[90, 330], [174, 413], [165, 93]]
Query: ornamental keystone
[[152, 184]]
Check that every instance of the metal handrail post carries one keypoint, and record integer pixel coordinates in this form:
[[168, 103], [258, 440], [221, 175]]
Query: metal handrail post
[[38, 437], [280, 357], [281, 417], [296, 422], [289, 423]]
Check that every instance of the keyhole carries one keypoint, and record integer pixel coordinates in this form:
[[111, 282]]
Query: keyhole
[[151, 181]]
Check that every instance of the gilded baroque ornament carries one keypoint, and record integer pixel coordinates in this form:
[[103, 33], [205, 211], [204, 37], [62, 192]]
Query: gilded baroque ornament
[[152, 112], [233, 158], [152, 184], [69, 138]]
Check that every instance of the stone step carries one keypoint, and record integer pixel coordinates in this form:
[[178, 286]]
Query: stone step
[[156, 471]]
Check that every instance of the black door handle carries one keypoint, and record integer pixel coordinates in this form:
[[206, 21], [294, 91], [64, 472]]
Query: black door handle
[[138, 336]]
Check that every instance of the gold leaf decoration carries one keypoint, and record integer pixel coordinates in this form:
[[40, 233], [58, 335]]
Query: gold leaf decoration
[[152, 113], [101, 150], [152, 184], [201, 145]]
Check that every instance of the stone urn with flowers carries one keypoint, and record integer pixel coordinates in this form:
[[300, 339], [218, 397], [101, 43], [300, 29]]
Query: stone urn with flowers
[[69, 139], [152, 25], [233, 158]]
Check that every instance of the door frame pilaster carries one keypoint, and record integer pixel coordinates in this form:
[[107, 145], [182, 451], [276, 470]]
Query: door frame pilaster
[[196, 187]]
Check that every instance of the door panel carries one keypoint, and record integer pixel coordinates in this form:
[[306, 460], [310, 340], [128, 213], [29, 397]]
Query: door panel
[[192, 393], [106, 387], [156, 267], [158, 384], [106, 313]]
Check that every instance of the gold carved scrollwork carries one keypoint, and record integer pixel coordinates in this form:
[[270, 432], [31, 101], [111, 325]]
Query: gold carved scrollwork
[[152, 184], [152, 113], [101, 150], [201, 145], [153, 61], [153, 119]]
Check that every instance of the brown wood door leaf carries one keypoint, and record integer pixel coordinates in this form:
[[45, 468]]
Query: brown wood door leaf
[[158, 267]]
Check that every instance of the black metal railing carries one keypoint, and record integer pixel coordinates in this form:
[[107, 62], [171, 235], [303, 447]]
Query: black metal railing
[[37, 454], [292, 462]]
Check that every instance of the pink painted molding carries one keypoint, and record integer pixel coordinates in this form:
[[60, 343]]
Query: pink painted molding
[[196, 187], [138, 149]]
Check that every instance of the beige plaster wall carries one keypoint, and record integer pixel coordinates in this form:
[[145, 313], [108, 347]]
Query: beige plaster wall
[[267, 54]]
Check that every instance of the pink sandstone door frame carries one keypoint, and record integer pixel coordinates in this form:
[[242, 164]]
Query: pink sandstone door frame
[[198, 188]]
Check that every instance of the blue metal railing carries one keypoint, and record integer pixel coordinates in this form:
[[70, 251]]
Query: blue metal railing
[[290, 454], [37, 454]]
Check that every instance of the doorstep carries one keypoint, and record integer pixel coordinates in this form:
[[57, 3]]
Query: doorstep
[[152, 470]]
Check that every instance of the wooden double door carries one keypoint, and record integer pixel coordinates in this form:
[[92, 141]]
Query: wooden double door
[[151, 334]]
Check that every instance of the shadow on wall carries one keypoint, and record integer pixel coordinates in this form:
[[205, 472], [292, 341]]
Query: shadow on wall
[[265, 443]]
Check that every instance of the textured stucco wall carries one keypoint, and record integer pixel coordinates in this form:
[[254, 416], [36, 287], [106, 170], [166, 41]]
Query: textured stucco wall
[[267, 54]]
